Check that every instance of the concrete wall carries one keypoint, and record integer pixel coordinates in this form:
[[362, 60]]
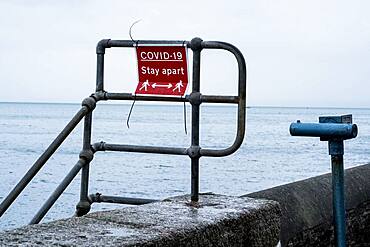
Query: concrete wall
[[215, 221], [307, 209]]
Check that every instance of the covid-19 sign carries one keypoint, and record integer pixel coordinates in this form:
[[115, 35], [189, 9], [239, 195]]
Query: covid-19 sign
[[162, 70]]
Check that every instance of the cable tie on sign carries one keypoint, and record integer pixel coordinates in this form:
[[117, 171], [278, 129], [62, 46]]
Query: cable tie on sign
[[186, 130], [136, 43], [130, 31], [185, 122], [129, 114]]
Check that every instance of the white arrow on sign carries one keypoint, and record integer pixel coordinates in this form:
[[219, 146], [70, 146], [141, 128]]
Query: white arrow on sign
[[154, 85]]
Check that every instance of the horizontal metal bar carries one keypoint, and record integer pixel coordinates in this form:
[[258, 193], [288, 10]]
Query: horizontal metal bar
[[42, 160], [58, 191], [130, 43], [109, 43], [203, 98], [208, 152], [101, 146], [121, 200], [219, 45], [328, 131], [129, 96], [219, 99]]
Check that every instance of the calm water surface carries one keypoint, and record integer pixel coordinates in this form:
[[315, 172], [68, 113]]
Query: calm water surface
[[268, 157]]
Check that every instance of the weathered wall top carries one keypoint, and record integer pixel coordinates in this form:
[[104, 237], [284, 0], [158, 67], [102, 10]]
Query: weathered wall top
[[216, 221]]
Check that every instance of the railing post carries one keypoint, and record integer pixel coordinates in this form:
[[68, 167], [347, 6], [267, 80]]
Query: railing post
[[84, 205], [339, 213], [100, 51], [196, 46]]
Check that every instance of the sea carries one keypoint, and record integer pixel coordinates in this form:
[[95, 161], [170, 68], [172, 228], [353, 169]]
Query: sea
[[268, 157]]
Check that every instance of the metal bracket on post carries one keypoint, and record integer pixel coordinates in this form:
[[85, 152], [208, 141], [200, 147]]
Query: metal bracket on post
[[334, 129]]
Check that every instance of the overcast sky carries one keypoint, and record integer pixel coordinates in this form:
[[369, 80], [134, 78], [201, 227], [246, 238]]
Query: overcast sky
[[299, 53]]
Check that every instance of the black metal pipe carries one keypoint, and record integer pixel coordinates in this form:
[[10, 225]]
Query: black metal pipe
[[130, 43], [83, 207], [196, 46], [194, 179], [58, 191], [121, 200], [129, 96], [84, 183], [242, 91], [203, 98], [219, 99], [100, 72], [42, 160], [100, 51], [86, 146], [102, 44], [101, 146]]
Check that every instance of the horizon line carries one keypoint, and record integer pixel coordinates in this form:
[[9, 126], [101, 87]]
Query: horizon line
[[172, 103]]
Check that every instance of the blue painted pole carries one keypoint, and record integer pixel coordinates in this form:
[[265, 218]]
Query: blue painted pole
[[339, 214], [336, 150], [334, 129]]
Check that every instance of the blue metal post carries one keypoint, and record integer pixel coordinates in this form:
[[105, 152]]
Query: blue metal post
[[336, 150], [339, 214], [334, 129]]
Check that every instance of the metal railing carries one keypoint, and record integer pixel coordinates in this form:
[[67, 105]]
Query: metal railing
[[195, 98]]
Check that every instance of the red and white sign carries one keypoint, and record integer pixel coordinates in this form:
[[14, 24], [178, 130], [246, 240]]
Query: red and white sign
[[162, 70]]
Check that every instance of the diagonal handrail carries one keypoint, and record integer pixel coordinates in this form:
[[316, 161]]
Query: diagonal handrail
[[40, 162], [61, 187]]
